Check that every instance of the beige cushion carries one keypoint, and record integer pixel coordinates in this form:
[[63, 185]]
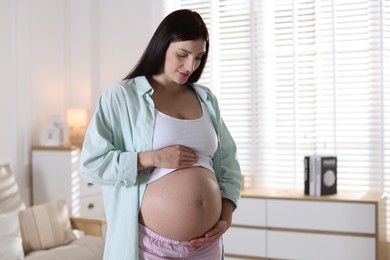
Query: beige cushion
[[45, 226], [10, 199]]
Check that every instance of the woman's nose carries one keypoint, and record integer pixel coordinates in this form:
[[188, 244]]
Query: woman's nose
[[190, 64]]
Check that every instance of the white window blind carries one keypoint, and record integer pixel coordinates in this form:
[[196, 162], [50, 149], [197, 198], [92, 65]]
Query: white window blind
[[297, 77]]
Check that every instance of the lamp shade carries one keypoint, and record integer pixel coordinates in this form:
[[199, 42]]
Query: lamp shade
[[76, 120], [76, 117]]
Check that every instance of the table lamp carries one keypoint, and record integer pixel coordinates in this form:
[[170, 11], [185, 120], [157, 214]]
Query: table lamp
[[76, 120]]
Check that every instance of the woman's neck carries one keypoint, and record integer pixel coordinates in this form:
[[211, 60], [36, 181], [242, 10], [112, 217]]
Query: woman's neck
[[162, 84]]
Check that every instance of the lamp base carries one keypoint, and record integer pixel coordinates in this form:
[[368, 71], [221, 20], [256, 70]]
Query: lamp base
[[76, 139]]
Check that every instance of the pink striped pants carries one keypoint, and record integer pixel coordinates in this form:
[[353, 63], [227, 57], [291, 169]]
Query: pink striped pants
[[153, 246]]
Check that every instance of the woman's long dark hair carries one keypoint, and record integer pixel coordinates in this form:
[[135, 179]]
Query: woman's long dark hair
[[180, 25]]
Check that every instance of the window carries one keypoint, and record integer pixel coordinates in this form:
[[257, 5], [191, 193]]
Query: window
[[301, 77]]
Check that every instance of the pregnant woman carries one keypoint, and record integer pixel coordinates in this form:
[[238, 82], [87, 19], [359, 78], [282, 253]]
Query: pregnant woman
[[158, 146]]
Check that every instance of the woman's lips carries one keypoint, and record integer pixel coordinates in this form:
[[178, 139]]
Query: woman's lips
[[184, 75]]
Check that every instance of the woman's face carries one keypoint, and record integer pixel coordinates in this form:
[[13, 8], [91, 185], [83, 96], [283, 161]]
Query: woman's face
[[182, 59]]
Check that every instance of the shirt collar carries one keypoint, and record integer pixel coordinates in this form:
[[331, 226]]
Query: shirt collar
[[143, 86], [203, 92]]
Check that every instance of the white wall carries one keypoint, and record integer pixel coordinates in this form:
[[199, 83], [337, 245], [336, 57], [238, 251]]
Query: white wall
[[57, 54]]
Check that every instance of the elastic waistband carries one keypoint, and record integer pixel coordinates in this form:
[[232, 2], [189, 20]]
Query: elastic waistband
[[143, 230]]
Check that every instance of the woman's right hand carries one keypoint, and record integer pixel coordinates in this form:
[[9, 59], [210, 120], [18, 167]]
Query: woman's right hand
[[174, 156]]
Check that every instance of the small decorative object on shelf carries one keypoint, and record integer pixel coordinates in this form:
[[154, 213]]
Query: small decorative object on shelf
[[320, 175], [53, 133]]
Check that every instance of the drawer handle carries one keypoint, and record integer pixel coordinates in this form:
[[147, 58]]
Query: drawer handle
[[90, 184], [91, 206]]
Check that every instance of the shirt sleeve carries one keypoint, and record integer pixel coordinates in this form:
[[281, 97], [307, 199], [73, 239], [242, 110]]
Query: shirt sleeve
[[230, 180], [102, 162], [230, 172]]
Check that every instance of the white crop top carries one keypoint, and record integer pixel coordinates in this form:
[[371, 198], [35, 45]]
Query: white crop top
[[197, 134]]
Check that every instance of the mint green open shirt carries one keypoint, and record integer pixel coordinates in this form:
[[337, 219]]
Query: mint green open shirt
[[121, 127]]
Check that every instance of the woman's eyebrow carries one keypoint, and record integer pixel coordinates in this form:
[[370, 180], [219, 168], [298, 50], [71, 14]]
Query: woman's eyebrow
[[187, 51]]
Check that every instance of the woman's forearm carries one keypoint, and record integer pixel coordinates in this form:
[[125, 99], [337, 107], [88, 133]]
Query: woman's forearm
[[227, 211], [145, 160]]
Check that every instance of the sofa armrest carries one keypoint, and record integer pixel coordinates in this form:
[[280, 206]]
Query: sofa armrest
[[90, 226]]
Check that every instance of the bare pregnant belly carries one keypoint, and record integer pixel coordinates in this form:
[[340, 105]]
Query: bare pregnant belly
[[182, 205]]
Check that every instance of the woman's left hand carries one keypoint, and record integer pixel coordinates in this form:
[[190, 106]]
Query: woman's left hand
[[212, 235], [220, 227]]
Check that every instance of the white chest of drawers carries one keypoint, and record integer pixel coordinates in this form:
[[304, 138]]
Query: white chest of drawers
[[280, 224], [55, 175]]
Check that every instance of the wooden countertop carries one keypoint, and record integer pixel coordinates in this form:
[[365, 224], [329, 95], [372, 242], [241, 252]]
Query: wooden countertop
[[55, 148], [347, 196]]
